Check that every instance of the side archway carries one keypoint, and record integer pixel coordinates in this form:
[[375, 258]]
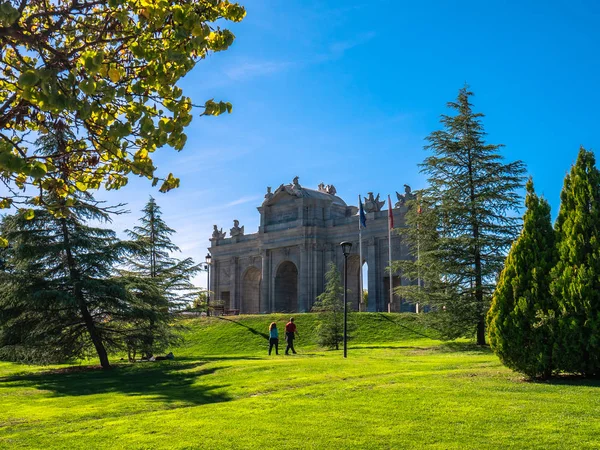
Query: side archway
[[286, 287], [353, 281], [251, 291]]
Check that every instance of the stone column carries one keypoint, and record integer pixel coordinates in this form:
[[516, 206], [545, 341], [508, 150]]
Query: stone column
[[265, 303], [303, 279], [373, 277], [214, 280], [314, 275], [234, 300]]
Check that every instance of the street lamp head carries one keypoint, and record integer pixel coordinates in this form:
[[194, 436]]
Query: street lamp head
[[346, 247], [208, 258]]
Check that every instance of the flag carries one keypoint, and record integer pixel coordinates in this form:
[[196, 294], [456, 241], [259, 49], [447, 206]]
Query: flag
[[362, 222], [390, 214]]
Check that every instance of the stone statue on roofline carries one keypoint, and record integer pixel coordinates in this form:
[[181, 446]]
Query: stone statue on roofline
[[236, 230], [217, 234], [327, 189], [268, 195], [373, 204], [403, 198]]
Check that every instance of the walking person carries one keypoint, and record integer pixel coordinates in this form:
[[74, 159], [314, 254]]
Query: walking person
[[273, 338], [290, 334]]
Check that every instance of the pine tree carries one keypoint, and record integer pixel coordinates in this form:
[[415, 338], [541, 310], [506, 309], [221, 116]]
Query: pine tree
[[59, 298], [153, 264], [521, 318], [576, 277], [330, 305], [472, 193]]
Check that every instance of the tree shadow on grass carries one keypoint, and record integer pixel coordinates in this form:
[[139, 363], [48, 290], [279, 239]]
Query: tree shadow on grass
[[568, 380], [463, 347], [219, 358], [418, 333], [252, 330], [385, 347], [165, 381]]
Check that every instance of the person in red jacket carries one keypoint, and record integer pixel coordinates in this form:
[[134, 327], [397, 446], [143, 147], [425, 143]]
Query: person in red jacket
[[290, 334]]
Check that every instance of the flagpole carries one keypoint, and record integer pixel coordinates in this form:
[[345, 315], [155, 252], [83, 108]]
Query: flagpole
[[390, 219], [361, 302]]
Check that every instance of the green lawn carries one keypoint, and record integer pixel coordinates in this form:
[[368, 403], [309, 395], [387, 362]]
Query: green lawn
[[398, 389]]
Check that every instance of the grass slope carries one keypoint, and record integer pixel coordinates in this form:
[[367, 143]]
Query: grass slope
[[402, 390], [243, 335]]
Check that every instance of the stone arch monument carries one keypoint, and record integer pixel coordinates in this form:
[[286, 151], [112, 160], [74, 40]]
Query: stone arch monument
[[281, 267]]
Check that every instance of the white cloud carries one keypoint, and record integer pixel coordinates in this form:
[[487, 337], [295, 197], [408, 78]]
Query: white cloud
[[338, 49], [248, 70], [242, 200]]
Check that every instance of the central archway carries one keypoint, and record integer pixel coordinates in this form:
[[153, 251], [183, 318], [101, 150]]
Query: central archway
[[251, 291], [286, 288]]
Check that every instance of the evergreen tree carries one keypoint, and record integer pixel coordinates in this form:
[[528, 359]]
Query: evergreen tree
[[59, 298], [472, 193], [521, 317], [152, 263], [576, 277], [330, 305]]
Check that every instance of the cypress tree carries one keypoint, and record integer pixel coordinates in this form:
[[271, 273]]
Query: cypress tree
[[151, 264], [576, 277], [472, 193], [521, 317]]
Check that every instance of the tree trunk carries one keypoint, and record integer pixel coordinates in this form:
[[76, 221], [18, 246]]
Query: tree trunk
[[83, 309], [477, 261]]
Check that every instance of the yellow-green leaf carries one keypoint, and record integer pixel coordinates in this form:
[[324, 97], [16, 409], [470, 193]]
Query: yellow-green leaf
[[29, 214]]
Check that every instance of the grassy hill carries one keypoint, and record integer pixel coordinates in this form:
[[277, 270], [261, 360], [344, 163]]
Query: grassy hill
[[243, 335], [398, 389]]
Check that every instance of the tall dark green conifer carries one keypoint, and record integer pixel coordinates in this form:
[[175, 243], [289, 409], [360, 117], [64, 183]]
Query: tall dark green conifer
[[472, 194], [59, 298], [521, 319], [576, 277], [152, 262]]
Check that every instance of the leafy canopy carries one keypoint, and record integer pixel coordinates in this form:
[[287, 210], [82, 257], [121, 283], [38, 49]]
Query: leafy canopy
[[108, 70]]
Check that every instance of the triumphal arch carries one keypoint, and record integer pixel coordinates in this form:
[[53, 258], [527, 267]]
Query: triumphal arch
[[281, 268]]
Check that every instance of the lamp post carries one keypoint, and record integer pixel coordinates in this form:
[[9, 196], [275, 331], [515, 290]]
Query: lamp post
[[346, 247], [208, 261]]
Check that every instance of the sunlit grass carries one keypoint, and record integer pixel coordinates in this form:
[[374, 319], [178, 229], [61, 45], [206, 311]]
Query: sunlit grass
[[399, 391]]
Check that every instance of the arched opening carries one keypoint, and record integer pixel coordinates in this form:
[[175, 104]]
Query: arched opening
[[353, 281], [286, 287], [251, 291]]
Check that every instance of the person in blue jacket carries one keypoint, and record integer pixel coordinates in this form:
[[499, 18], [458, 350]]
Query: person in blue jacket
[[273, 338]]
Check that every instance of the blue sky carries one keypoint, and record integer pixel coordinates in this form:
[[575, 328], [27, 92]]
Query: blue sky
[[345, 92]]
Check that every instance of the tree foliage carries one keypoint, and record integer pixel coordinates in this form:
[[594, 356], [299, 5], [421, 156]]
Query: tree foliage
[[576, 277], [521, 320], [330, 305], [468, 226], [108, 70], [60, 297], [150, 264]]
